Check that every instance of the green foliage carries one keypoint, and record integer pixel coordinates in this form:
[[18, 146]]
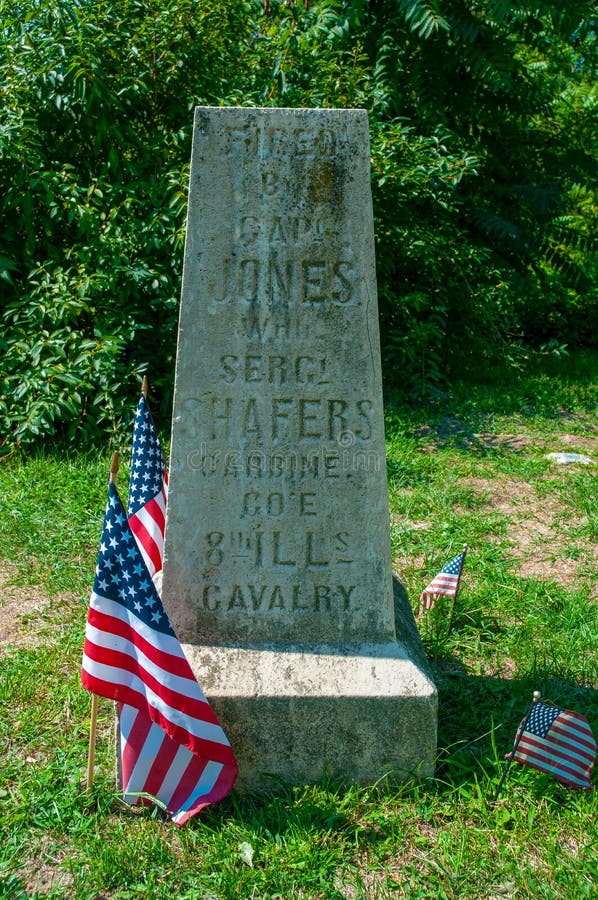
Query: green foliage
[[505, 252], [483, 127], [423, 18], [93, 164]]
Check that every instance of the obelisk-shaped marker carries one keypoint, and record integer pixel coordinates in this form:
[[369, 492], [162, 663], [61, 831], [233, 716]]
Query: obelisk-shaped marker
[[277, 569]]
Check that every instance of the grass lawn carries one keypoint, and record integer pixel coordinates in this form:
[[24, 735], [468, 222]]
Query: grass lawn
[[470, 467]]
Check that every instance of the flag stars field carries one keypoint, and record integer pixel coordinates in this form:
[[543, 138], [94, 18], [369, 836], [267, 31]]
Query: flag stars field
[[148, 489], [130, 568]]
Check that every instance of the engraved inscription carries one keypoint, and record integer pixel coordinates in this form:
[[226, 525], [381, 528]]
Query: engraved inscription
[[273, 418], [274, 504], [321, 464], [265, 598], [267, 142], [278, 528], [310, 550], [277, 283], [281, 230], [274, 369]]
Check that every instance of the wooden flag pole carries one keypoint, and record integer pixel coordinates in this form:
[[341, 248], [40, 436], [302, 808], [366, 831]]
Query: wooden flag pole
[[452, 612], [144, 386], [91, 753], [535, 700], [113, 467], [93, 724]]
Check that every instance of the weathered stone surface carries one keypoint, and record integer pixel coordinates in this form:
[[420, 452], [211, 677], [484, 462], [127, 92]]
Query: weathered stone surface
[[299, 711], [277, 572], [357, 711], [278, 514]]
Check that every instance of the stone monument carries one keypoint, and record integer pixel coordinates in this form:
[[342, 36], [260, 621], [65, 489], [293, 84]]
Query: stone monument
[[277, 570]]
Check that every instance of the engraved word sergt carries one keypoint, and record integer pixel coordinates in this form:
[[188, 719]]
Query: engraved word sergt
[[273, 369]]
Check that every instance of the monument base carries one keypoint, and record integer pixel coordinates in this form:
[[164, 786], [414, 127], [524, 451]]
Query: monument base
[[357, 711]]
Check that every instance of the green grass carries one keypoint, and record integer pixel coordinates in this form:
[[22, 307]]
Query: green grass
[[469, 468]]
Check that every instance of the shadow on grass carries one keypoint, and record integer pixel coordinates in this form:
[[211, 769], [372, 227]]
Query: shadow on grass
[[562, 389], [478, 719], [478, 716]]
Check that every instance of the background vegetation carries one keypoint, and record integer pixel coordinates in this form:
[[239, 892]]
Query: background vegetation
[[472, 468], [483, 124]]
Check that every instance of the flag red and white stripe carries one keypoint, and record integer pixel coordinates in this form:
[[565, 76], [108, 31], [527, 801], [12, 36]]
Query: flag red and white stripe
[[559, 742], [152, 763], [148, 525], [148, 489], [445, 584], [143, 747], [173, 746]]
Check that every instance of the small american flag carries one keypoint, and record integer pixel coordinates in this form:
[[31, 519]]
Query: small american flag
[[148, 489], [173, 745], [556, 741], [445, 584]]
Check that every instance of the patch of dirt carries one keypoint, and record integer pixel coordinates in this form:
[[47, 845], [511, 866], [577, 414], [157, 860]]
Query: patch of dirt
[[537, 527], [404, 524], [447, 426], [565, 571], [578, 443], [45, 874], [515, 442], [449, 429], [507, 670], [539, 531], [25, 612], [367, 880]]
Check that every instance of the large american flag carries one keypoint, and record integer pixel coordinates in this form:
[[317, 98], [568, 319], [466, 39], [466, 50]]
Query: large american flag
[[557, 741], [174, 746], [445, 584], [145, 749], [148, 489]]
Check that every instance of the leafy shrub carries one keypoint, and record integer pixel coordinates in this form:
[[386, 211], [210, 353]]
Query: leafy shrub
[[483, 156]]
